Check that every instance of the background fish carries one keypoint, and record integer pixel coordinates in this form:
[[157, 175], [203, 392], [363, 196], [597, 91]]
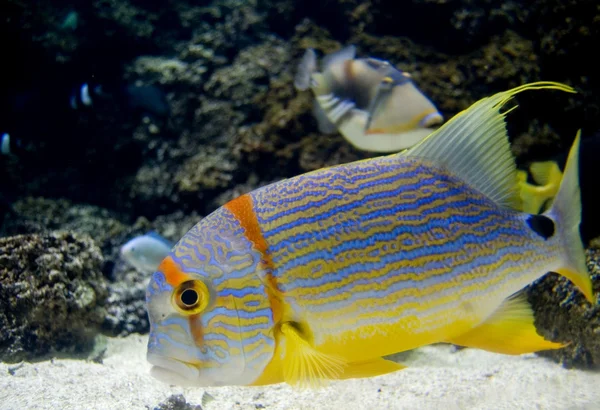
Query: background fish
[[537, 195], [146, 252], [540, 183], [59, 108], [320, 276], [373, 104], [5, 144]]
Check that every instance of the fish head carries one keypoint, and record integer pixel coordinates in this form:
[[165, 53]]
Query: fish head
[[211, 322], [131, 250]]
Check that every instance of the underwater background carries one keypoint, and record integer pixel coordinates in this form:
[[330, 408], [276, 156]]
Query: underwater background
[[196, 105]]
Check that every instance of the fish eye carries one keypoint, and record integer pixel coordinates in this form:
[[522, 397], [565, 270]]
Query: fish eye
[[191, 297]]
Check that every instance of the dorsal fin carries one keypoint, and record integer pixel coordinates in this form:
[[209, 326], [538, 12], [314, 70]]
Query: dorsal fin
[[474, 145], [159, 237]]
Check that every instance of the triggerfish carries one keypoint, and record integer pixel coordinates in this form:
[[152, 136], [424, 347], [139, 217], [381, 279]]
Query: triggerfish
[[320, 276], [374, 105]]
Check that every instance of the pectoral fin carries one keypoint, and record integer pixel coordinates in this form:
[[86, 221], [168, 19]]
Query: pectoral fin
[[305, 366], [510, 330]]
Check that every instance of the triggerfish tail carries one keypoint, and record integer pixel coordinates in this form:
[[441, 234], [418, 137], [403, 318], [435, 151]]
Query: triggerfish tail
[[306, 68], [566, 212]]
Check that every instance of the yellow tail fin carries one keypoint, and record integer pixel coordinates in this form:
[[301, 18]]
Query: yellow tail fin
[[566, 211]]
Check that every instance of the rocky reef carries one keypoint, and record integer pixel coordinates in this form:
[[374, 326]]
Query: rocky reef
[[123, 303], [236, 123], [562, 314], [52, 294]]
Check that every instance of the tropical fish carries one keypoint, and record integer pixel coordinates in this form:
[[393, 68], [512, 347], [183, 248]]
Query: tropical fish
[[320, 276], [146, 252], [375, 106]]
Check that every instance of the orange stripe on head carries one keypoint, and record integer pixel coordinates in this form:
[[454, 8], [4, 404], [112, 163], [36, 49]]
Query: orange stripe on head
[[173, 274], [241, 208]]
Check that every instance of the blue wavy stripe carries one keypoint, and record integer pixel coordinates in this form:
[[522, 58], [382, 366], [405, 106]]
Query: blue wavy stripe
[[359, 244], [397, 210], [308, 189], [338, 209], [454, 276]]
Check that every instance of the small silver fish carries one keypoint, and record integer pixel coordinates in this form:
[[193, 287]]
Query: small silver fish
[[145, 252], [375, 106]]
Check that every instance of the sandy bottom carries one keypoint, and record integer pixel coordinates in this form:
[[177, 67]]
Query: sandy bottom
[[437, 376]]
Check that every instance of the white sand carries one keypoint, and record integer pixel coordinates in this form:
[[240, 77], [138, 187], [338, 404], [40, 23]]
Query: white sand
[[437, 377]]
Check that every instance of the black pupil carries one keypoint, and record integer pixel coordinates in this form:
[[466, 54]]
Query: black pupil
[[189, 297]]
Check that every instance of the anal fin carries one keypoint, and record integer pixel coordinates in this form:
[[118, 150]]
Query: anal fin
[[370, 368], [510, 330]]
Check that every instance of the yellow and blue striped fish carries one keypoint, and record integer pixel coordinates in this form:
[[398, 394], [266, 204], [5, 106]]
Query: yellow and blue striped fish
[[320, 276]]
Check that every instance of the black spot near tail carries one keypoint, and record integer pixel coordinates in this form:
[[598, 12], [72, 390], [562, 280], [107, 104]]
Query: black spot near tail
[[542, 225]]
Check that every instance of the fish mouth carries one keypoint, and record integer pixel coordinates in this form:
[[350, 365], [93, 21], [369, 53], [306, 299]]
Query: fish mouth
[[173, 371]]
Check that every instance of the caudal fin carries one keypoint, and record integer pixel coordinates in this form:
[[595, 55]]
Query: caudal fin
[[306, 68], [566, 211]]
